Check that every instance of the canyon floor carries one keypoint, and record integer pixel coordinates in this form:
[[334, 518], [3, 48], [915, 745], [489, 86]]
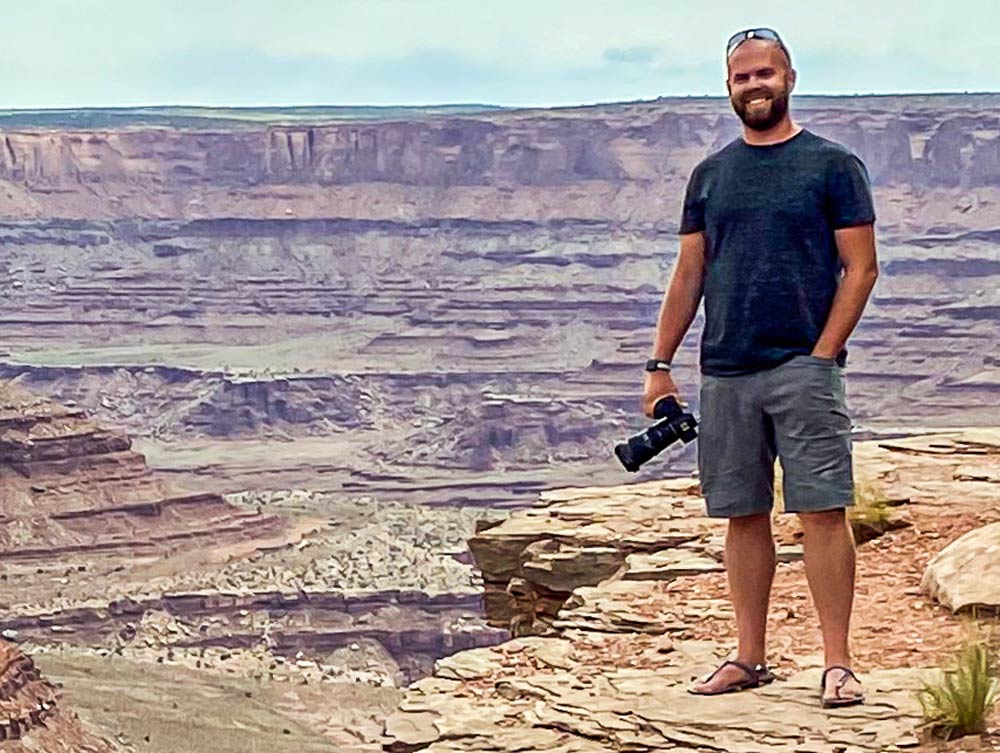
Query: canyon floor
[[292, 616]]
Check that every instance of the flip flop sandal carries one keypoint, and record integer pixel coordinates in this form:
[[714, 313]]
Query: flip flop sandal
[[837, 700], [757, 675]]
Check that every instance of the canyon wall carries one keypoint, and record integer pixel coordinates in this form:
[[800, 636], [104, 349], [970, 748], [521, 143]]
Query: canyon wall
[[621, 163], [451, 307]]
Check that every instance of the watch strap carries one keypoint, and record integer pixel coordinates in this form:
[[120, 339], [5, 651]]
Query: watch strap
[[657, 364]]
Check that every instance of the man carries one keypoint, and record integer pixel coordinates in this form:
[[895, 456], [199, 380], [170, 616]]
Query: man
[[777, 233]]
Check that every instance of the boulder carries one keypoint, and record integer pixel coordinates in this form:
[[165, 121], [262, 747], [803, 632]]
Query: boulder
[[965, 575]]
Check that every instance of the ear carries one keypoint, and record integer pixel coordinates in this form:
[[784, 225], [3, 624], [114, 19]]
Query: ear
[[792, 75]]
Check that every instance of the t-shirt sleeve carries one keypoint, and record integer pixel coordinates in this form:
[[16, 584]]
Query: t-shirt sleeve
[[693, 214], [849, 193]]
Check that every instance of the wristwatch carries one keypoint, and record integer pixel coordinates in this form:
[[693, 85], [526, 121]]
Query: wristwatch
[[657, 364]]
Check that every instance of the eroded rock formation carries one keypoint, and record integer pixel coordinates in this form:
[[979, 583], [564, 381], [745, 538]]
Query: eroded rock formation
[[32, 714], [94, 541], [69, 487]]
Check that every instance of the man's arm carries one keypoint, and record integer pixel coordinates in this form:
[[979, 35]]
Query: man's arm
[[856, 247], [680, 303], [677, 311]]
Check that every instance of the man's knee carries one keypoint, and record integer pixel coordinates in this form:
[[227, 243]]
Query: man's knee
[[752, 518], [822, 518], [758, 521]]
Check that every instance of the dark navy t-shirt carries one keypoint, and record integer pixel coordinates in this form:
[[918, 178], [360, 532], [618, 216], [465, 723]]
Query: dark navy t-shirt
[[771, 261]]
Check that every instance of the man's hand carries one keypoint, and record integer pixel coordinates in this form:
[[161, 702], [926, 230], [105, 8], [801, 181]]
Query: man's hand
[[656, 385]]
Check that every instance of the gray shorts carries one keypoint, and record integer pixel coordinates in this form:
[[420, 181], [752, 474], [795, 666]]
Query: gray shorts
[[795, 411]]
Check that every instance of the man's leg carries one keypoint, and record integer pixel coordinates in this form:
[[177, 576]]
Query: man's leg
[[736, 471], [750, 560], [813, 435], [829, 555]]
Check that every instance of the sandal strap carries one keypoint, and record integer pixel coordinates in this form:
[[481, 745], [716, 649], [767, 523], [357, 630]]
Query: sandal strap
[[847, 673], [751, 671]]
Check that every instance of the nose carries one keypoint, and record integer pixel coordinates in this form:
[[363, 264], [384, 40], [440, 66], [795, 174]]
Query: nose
[[757, 86]]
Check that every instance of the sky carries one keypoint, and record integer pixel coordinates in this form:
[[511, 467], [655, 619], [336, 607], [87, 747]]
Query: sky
[[101, 53]]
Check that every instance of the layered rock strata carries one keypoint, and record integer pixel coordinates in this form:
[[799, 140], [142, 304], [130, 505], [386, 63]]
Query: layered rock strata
[[451, 308], [616, 162], [69, 487]]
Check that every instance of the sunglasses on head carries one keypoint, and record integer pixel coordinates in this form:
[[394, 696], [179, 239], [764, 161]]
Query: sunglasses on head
[[762, 33]]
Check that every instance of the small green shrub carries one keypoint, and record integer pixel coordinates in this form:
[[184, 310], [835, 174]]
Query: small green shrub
[[871, 509], [961, 702]]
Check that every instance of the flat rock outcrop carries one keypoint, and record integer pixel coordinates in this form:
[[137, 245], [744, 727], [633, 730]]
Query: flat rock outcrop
[[614, 596], [537, 694]]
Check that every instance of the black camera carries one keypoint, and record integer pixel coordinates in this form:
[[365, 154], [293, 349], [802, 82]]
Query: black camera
[[676, 424]]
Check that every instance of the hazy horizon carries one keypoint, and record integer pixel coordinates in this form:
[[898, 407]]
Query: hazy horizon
[[459, 105]]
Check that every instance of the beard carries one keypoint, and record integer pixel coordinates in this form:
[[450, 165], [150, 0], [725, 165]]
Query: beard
[[765, 117]]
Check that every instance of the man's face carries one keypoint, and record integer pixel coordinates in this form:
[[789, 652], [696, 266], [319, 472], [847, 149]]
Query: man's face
[[759, 83]]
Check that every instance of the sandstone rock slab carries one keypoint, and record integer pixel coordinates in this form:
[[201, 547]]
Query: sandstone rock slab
[[642, 709], [966, 573]]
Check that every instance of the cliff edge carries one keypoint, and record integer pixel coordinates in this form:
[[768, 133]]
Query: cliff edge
[[617, 599]]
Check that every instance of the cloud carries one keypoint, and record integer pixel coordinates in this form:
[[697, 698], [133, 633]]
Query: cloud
[[641, 54], [244, 76]]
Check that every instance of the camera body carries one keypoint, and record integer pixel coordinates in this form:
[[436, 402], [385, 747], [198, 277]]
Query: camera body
[[675, 424]]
